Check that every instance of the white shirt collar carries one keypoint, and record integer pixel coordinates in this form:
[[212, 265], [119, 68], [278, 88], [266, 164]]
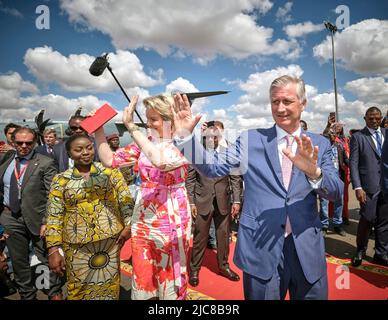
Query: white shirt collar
[[372, 131], [280, 133]]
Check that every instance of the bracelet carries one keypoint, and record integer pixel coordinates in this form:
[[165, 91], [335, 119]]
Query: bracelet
[[132, 127], [56, 250]]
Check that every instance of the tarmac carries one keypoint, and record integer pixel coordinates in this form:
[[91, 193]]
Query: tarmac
[[342, 247]]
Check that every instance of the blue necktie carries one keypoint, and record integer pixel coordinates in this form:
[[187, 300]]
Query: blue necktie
[[378, 140], [14, 202]]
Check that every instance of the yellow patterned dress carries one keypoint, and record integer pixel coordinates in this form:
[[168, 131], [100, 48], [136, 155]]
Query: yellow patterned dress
[[85, 217]]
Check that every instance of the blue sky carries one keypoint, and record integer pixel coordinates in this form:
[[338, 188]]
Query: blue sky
[[159, 46]]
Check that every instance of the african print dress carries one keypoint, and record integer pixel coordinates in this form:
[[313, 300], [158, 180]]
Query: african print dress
[[85, 218], [160, 225]]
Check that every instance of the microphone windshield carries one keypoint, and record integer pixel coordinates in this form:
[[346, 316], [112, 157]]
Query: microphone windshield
[[98, 66]]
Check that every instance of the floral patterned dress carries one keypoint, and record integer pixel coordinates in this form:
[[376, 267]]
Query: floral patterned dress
[[161, 223]]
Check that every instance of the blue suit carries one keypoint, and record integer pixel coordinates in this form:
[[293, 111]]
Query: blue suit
[[267, 203]]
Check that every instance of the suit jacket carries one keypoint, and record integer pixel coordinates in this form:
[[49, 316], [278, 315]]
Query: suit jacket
[[42, 149], [365, 163], [202, 191], [35, 188], [384, 168], [61, 158], [267, 203]]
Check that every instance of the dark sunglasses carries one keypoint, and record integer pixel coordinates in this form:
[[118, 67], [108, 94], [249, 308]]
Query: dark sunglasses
[[28, 143], [75, 128]]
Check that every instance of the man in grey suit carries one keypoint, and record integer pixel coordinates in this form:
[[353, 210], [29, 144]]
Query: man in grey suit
[[211, 198], [25, 178], [365, 173]]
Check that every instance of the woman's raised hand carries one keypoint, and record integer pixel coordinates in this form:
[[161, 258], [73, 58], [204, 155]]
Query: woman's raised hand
[[184, 121], [128, 111]]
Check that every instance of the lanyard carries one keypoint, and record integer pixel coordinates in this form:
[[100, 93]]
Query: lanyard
[[19, 174]]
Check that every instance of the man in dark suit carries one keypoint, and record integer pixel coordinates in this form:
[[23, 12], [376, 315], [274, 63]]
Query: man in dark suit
[[61, 158], [384, 162], [384, 208], [210, 199], [365, 174], [49, 138], [25, 178]]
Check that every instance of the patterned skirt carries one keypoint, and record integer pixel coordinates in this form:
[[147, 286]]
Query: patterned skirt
[[93, 270], [160, 243]]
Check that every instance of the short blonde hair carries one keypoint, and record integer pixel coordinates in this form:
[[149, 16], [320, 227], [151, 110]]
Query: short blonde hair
[[285, 80], [162, 104], [49, 131]]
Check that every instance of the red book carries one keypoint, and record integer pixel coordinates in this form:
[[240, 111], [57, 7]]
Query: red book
[[102, 116]]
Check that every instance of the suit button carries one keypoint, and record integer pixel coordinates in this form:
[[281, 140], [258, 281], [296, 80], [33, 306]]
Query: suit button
[[283, 226]]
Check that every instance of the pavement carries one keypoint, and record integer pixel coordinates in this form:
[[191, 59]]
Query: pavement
[[336, 245]]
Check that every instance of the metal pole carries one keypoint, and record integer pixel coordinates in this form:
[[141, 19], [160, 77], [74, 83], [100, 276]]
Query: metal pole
[[335, 77], [122, 89]]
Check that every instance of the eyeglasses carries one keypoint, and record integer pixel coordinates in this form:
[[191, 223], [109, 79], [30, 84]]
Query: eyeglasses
[[28, 143], [75, 128]]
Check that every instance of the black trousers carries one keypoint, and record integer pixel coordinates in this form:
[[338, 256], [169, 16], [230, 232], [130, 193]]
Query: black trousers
[[380, 224], [18, 247]]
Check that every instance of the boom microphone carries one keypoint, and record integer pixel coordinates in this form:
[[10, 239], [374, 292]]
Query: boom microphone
[[99, 65]]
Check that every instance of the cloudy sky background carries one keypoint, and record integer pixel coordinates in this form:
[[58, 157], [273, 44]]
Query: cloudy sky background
[[163, 46]]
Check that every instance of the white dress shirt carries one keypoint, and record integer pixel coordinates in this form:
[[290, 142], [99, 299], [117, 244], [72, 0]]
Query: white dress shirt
[[372, 132], [282, 144]]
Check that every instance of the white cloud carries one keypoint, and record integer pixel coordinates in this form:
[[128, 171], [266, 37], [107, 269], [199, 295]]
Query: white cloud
[[10, 11], [362, 48], [283, 13], [202, 28], [56, 107], [15, 105], [302, 29], [11, 87], [72, 72], [183, 85], [253, 108], [372, 90], [350, 112]]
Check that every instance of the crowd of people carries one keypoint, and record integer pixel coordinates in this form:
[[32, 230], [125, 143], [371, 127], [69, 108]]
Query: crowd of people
[[76, 202]]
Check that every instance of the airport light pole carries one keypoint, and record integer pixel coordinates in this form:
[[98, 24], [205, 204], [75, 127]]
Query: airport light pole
[[333, 29]]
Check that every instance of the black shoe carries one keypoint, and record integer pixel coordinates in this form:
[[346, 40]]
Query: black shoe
[[381, 260], [229, 273], [346, 221], [193, 279], [340, 231], [212, 246], [7, 286], [357, 259]]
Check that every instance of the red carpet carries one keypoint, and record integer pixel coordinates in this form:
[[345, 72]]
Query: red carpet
[[368, 282]]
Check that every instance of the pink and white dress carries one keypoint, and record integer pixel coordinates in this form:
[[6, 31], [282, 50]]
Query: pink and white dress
[[161, 223]]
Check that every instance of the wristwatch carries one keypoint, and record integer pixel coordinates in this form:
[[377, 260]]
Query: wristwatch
[[317, 179]]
